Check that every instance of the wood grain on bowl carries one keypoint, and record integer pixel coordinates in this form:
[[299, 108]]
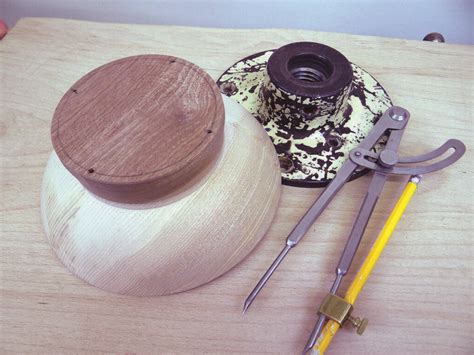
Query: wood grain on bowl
[[173, 243]]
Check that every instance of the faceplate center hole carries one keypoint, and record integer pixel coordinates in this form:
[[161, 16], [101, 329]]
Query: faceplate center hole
[[310, 68]]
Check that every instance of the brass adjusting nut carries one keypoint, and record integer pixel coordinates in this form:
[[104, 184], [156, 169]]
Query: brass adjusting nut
[[339, 310], [359, 324]]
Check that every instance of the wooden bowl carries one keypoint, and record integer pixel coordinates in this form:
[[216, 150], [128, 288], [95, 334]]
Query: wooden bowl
[[150, 191]]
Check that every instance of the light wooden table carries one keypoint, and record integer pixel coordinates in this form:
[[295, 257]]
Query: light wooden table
[[419, 300]]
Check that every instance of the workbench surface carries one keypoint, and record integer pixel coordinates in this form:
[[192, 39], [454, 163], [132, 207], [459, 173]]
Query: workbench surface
[[419, 298]]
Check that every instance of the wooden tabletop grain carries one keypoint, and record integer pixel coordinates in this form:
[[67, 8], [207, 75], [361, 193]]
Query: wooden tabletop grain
[[419, 299]]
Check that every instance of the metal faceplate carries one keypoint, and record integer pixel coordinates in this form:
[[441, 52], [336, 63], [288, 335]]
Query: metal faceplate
[[311, 154]]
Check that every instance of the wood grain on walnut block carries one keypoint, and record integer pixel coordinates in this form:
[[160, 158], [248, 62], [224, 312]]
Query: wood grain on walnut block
[[139, 127], [179, 195]]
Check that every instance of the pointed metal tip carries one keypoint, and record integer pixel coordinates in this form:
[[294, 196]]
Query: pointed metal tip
[[265, 277], [247, 304]]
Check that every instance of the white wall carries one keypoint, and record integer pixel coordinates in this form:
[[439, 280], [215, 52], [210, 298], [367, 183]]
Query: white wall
[[391, 18]]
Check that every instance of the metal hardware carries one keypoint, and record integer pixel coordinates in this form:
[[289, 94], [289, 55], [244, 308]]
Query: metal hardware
[[359, 324], [385, 160], [367, 266], [228, 88], [392, 123], [335, 308], [385, 123], [286, 164], [434, 37], [314, 104], [340, 311], [398, 113]]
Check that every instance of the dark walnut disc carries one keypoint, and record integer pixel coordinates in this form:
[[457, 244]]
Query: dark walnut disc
[[139, 127]]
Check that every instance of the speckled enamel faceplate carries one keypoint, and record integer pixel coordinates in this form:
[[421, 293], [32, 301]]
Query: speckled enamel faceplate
[[312, 149]]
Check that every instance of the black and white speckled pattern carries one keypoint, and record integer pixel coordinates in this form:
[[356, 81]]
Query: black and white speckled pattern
[[313, 142]]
